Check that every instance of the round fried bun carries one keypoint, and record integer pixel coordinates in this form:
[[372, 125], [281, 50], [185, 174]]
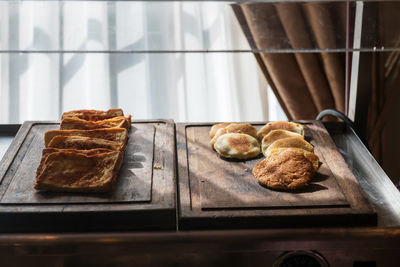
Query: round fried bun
[[286, 169], [309, 155], [245, 128], [296, 142], [274, 135], [284, 125], [237, 146], [216, 127]]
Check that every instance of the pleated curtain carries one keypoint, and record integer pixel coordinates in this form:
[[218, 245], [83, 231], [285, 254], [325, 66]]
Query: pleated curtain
[[383, 127], [304, 83]]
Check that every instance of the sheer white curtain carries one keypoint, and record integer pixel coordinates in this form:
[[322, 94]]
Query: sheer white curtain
[[182, 86]]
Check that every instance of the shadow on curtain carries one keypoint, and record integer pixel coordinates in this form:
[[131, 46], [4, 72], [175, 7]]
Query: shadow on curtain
[[304, 82]]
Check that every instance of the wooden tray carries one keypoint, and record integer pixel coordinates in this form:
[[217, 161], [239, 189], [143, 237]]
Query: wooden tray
[[143, 198], [220, 193]]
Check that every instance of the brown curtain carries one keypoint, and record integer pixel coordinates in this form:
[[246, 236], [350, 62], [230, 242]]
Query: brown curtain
[[383, 129], [304, 83]]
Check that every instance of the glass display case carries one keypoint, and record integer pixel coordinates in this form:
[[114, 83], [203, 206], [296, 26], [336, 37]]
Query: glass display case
[[210, 61]]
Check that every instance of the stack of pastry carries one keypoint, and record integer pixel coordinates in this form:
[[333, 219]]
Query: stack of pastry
[[86, 154], [290, 162]]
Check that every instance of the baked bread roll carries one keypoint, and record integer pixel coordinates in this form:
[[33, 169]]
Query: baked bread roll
[[71, 123], [237, 146], [290, 142], [285, 169], [118, 135], [76, 172], [83, 143], [245, 128], [274, 135], [93, 115], [216, 127], [284, 125]]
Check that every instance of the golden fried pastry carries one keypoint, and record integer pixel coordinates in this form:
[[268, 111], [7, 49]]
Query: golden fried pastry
[[216, 127], [71, 123], [284, 125], [237, 145], [118, 135], [285, 169], [76, 172], [295, 142], [48, 151], [93, 115], [82, 143], [309, 155], [245, 128], [274, 135]]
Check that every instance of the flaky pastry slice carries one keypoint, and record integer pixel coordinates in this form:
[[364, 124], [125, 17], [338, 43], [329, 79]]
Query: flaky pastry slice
[[93, 115], [72, 123], [119, 135], [47, 151], [82, 143], [76, 172]]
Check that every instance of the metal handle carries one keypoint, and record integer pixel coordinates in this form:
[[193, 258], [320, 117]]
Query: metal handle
[[337, 114], [345, 119]]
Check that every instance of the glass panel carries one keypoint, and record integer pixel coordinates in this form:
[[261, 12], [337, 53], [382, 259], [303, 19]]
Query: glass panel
[[121, 26], [381, 24], [179, 26], [181, 86]]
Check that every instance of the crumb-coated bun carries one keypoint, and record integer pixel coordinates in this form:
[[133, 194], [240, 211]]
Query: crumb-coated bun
[[286, 169], [245, 128], [237, 146], [295, 142], [284, 125], [274, 135], [309, 155], [216, 127]]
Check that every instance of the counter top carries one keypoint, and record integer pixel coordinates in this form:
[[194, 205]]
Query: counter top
[[233, 247]]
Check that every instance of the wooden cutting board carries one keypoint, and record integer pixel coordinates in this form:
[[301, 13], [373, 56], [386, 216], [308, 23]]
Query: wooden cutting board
[[222, 193], [143, 198]]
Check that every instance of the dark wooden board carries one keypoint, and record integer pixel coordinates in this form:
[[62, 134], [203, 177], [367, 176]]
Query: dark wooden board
[[133, 183], [144, 196], [7, 133], [221, 193]]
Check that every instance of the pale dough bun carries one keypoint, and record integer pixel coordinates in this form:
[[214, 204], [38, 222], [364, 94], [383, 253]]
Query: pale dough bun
[[285, 169], [216, 127], [274, 135], [284, 125], [237, 146], [245, 128], [290, 142]]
